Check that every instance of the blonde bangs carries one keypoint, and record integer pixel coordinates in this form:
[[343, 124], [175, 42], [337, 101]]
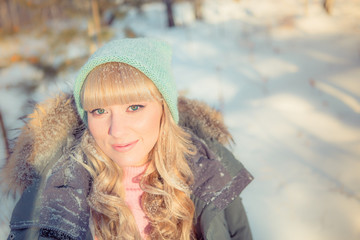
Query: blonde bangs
[[116, 83]]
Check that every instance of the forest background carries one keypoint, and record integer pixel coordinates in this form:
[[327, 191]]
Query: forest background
[[284, 74]]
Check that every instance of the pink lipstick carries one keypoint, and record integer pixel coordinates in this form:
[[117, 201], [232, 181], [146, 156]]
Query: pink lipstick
[[124, 147]]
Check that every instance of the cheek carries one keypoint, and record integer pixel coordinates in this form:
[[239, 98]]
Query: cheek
[[150, 127], [96, 128]]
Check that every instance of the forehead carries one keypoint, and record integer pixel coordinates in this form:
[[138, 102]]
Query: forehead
[[116, 83]]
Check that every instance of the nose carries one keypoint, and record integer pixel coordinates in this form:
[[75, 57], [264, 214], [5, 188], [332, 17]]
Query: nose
[[119, 125]]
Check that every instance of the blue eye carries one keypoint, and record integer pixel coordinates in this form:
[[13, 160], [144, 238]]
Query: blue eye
[[98, 111], [133, 108]]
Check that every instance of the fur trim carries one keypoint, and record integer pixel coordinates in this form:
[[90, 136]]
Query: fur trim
[[54, 123], [46, 132], [206, 122]]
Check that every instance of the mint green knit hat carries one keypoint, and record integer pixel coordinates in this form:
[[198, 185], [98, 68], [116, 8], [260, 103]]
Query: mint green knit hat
[[151, 56]]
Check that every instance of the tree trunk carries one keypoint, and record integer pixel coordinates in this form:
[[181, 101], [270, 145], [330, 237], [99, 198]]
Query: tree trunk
[[4, 135], [15, 16], [96, 15], [328, 5], [306, 3], [169, 11], [138, 4], [94, 25], [4, 24], [198, 9], [10, 18]]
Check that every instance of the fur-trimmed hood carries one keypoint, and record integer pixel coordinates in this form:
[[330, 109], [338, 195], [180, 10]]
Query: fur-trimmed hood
[[54, 125]]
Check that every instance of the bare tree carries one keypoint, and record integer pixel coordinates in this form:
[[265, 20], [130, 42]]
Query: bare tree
[[94, 25], [328, 5], [96, 15], [4, 136], [198, 9], [10, 18], [169, 10]]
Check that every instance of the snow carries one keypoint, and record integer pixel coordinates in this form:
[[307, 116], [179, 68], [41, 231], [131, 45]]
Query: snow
[[286, 76]]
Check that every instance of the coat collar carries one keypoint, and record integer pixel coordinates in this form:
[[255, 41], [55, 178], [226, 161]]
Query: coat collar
[[55, 125]]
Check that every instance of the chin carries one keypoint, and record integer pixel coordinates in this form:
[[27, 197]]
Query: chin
[[128, 162]]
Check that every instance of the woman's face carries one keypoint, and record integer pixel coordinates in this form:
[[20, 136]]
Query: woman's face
[[126, 133]]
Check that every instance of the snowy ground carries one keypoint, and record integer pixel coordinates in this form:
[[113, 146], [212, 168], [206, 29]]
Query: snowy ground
[[287, 79]]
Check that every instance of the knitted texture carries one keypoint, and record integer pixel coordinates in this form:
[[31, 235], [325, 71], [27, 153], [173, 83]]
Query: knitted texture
[[151, 56]]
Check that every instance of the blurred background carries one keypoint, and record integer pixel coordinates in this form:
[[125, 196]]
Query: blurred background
[[284, 73]]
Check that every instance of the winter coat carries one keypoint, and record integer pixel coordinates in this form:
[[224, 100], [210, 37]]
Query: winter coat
[[54, 186]]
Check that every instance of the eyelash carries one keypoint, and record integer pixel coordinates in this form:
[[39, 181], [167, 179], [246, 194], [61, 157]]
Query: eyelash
[[129, 108], [94, 111], [138, 107]]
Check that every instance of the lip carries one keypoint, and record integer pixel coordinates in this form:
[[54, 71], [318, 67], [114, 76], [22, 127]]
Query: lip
[[124, 147]]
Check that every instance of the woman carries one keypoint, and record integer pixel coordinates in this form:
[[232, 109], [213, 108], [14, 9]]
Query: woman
[[125, 158]]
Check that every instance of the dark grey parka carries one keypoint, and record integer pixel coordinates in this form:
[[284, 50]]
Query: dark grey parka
[[55, 187]]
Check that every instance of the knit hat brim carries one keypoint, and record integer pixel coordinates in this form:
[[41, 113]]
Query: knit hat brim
[[150, 56]]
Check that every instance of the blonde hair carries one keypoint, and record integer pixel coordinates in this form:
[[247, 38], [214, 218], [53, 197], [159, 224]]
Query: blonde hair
[[166, 199]]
